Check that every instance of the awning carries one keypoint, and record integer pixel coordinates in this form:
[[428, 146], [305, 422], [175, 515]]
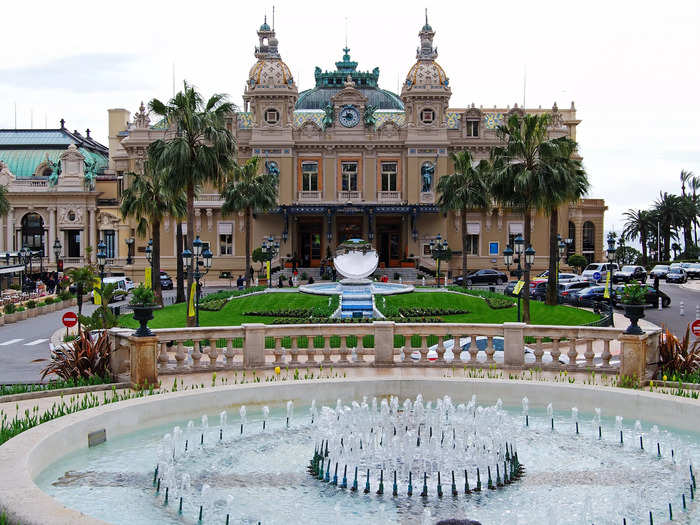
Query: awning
[[473, 228], [515, 227]]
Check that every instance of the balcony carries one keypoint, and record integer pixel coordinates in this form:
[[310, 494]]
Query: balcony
[[208, 200], [345, 196], [309, 196], [389, 196]]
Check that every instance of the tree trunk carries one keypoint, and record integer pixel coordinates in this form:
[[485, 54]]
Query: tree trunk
[[190, 238], [688, 235], [155, 272], [247, 248], [552, 295], [667, 244], [527, 220], [463, 225], [179, 240], [643, 239]]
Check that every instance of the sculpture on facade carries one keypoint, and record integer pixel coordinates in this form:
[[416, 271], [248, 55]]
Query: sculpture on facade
[[90, 174], [370, 117], [427, 172], [271, 168], [55, 172], [328, 117]]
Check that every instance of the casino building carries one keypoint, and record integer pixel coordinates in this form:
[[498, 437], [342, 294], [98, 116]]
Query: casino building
[[356, 160]]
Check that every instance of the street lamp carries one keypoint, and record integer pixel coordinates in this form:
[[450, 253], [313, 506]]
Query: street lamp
[[611, 256], [191, 261], [129, 250], [529, 253], [101, 262], [270, 247], [25, 257], [57, 252], [439, 251]]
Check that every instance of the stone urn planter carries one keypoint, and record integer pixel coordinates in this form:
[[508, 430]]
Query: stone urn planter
[[32, 312], [10, 318], [634, 312], [143, 314], [20, 315]]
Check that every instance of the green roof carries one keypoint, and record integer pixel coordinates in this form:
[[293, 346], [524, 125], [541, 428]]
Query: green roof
[[23, 162]]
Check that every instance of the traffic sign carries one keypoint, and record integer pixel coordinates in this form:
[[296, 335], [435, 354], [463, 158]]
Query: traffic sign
[[518, 286], [695, 327], [69, 319], [596, 276]]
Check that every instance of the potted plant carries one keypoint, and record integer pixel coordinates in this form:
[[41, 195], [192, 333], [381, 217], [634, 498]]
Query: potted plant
[[31, 308], [20, 313], [143, 302], [10, 313], [288, 263], [633, 300]]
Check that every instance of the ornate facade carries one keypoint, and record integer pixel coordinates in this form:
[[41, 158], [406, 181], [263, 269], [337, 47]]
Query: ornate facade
[[355, 160]]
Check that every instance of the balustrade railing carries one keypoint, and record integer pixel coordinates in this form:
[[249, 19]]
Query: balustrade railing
[[383, 343]]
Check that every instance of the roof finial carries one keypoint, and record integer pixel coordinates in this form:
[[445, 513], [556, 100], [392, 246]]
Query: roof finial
[[273, 17], [346, 31], [63, 123], [426, 16]]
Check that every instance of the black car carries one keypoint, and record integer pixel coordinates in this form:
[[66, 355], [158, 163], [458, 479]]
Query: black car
[[630, 273], [166, 283], [652, 296], [510, 288], [676, 275], [588, 296], [483, 277], [539, 290]]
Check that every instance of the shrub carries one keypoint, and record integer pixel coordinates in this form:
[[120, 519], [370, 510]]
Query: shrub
[[31, 304], [64, 294], [577, 261], [497, 303], [21, 308], [212, 305], [679, 356], [82, 358], [10, 308], [634, 293], [142, 296]]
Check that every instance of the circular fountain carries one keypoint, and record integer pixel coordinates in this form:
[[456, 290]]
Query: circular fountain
[[356, 260]]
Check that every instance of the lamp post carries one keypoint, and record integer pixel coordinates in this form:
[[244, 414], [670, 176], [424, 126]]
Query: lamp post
[[57, 247], [149, 258], [101, 262], [270, 247], [439, 250], [129, 250], [24, 258], [611, 256], [192, 260], [529, 253]]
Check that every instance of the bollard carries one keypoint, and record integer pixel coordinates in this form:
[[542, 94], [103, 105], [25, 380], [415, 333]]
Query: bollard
[[660, 307], [697, 312], [682, 308]]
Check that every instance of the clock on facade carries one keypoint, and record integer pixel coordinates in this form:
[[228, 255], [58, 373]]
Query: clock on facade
[[349, 116]]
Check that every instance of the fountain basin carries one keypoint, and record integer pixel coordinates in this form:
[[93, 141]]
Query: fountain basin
[[24, 458]]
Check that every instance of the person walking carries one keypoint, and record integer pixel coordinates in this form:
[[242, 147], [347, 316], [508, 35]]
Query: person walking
[[240, 282]]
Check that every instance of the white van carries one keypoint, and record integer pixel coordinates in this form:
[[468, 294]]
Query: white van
[[121, 288], [596, 271]]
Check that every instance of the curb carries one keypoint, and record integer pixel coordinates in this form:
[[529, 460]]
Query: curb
[[62, 392]]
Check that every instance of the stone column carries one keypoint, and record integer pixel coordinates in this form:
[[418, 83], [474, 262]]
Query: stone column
[[10, 229], [92, 227], [52, 233], [383, 343], [142, 356], [253, 345], [513, 351]]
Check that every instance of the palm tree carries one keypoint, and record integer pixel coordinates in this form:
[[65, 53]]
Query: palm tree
[[638, 225], [248, 191], [201, 150], [567, 182], [466, 189], [695, 186], [522, 173], [687, 177], [84, 279], [667, 211], [149, 199]]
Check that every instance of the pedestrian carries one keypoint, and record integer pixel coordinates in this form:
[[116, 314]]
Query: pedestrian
[[656, 282], [311, 280], [252, 274], [239, 282], [335, 274], [280, 281], [291, 282]]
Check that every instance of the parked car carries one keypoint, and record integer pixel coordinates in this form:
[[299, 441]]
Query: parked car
[[587, 296], [539, 290], [652, 296], [129, 284], [166, 283], [676, 275], [483, 277], [120, 289], [693, 270], [660, 271], [562, 277], [598, 269], [630, 273], [566, 290]]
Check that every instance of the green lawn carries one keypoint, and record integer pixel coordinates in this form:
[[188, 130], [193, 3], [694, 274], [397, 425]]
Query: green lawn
[[480, 312]]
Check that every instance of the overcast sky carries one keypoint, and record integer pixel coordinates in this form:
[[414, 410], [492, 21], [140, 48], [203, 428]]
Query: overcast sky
[[632, 68]]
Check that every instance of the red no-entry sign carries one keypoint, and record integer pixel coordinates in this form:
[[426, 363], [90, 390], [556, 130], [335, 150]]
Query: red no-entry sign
[[695, 328], [69, 319]]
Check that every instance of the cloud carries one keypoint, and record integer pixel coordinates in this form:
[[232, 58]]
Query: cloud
[[85, 73]]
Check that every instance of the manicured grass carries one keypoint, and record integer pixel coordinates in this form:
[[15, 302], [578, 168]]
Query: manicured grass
[[232, 314], [480, 312]]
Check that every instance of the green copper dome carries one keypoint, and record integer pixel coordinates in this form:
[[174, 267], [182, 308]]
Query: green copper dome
[[328, 83]]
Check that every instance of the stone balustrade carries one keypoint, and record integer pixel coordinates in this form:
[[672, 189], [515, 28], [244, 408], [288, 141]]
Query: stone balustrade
[[512, 346]]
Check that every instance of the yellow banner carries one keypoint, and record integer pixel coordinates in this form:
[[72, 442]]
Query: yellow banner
[[268, 273], [147, 279], [193, 293], [518, 286], [606, 294], [97, 298]]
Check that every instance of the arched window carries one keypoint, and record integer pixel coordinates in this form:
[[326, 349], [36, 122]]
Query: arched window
[[33, 232], [588, 236], [572, 235]]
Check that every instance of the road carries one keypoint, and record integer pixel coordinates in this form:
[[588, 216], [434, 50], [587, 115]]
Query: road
[[670, 317]]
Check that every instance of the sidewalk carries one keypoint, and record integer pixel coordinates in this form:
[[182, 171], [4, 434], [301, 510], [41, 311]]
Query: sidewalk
[[693, 284]]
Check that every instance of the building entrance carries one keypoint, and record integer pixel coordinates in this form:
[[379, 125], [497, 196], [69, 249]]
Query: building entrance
[[348, 228], [389, 244], [310, 244]]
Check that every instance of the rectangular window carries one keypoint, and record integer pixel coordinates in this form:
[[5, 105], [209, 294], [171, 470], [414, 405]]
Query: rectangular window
[[472, 245], [349, 176], [472, 128], [225, 244], [389, 175], [309, 176], [108, 236]]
